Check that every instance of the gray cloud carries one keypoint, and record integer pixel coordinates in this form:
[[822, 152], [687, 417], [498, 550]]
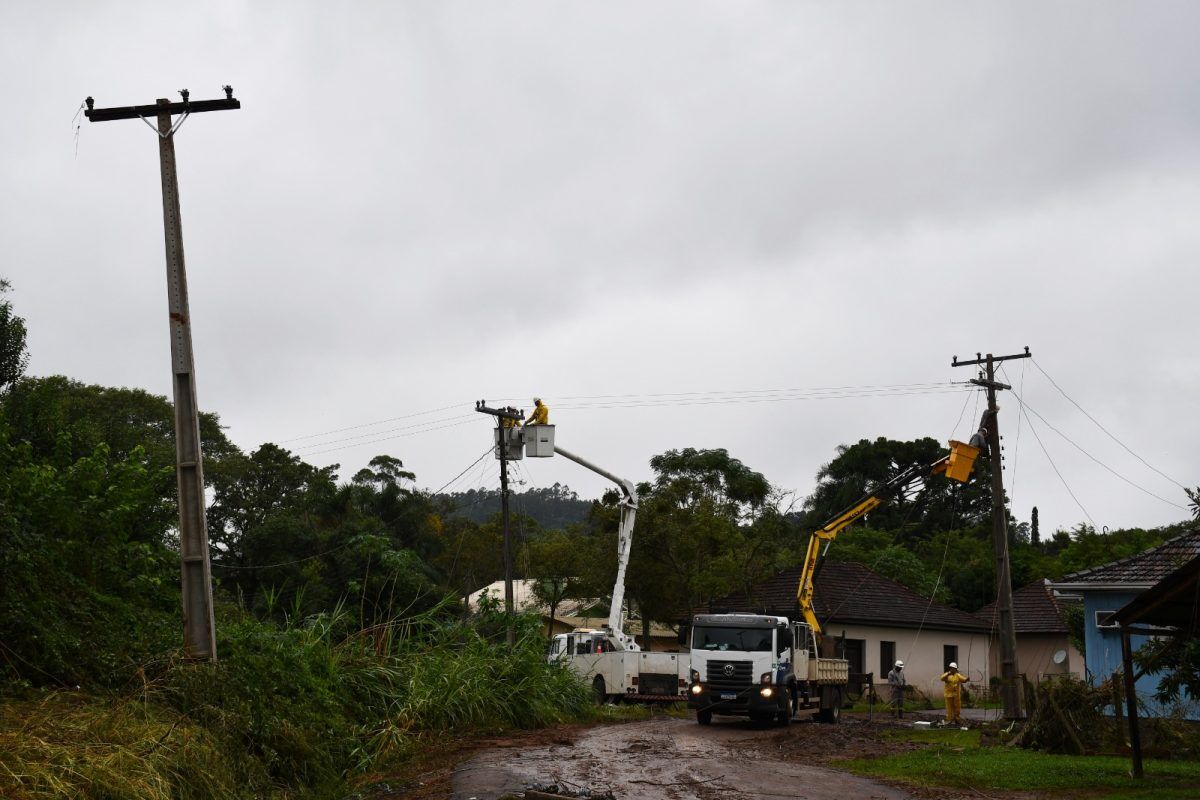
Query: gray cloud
[[422, 204]]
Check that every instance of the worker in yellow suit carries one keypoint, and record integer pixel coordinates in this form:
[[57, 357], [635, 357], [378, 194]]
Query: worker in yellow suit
[[540, 414], [953, 693]]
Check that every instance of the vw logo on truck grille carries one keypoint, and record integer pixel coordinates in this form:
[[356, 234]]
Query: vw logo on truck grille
[[729, 670]]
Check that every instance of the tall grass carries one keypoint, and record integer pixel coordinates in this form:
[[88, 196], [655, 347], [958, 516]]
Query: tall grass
[[289, 711]]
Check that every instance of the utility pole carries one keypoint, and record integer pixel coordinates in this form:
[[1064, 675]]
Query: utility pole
[[1010, 689], [199, 630], [502, 443]]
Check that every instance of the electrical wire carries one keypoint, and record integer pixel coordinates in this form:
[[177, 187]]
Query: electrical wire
[[341, 546], [645, 395], [750, 400], [966, 400], [388, 438], [464, 472], [1041, 444], [360, 437], [1012, 491], [642, 400], [1026, 407], [1106, 430], [371, 424]]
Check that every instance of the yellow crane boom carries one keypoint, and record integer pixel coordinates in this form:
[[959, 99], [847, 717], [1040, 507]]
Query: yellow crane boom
[[957, 465]]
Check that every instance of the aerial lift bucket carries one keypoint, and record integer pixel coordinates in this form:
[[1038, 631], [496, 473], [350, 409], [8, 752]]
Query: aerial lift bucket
[[962, 461]]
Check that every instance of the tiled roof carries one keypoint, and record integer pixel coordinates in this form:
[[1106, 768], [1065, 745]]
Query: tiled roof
[[851, 594], [1145, 568], [1035, 610]]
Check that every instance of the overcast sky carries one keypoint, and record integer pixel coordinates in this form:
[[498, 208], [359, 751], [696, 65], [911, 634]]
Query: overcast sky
[[424, 204]]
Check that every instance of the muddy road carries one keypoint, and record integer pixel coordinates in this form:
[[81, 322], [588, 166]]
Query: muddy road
[[666, 757]]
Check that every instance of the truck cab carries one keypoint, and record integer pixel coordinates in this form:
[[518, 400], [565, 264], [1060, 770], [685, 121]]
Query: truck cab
[[760, 666]]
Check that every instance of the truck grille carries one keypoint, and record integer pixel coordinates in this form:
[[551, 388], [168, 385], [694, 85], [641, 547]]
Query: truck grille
[[719, 677]]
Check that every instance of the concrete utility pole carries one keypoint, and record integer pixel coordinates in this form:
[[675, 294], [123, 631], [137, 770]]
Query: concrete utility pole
[[502, 414], [1010, 689], [199, 630]]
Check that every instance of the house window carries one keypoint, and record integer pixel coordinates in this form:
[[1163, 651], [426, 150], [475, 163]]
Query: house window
[[887, 657], [949, 654], [1104, 620]]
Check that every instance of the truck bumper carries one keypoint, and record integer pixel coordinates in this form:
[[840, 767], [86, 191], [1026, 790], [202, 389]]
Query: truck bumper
[[743, 703]]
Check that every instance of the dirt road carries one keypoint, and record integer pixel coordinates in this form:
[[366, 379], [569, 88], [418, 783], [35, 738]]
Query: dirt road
[[680, 760]]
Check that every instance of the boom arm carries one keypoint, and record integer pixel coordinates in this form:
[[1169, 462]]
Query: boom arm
[[901, 484], [629, 504]]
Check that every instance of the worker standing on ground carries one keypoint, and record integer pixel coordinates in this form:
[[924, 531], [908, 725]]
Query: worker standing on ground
[[954, 681], [540, 414], [896, 684]]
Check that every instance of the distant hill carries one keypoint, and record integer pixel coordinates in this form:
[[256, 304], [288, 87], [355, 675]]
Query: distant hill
[[552, 507]]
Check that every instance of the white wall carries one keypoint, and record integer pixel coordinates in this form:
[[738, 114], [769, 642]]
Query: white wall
[[922, 654]]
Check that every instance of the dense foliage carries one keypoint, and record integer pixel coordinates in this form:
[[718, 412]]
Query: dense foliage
[[341, 628]]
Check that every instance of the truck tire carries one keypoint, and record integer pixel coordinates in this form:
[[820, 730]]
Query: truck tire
[[600, 690], [704, 716], [789, 709], [831, 705]]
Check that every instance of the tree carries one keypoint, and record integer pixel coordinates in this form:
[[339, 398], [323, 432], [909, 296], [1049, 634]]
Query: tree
[[13, 355], [1035, 536], [40, 411], [1194, 501], [705, 527], [555, 564], [860, 468]]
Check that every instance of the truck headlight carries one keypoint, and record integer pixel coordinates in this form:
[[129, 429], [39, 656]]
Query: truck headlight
[[697, 688], [766, 678], [766, 691]]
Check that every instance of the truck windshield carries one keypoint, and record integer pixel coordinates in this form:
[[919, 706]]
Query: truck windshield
[[745, 639]]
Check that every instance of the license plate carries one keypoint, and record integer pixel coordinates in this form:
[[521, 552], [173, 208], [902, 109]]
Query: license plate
[[728, 696]]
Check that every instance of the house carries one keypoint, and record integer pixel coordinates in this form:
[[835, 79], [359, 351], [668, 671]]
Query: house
[[1043, 645], [1106, 588], [873, 621], [572, 614], [1169, 608]]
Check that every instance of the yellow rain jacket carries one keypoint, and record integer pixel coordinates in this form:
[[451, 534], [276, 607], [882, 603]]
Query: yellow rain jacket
[[540, 415]]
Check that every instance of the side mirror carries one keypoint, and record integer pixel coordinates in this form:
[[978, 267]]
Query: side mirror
[[786, 639]]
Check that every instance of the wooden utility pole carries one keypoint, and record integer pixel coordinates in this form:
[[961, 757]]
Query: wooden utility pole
[[199, 630], [1010, 688], [514, 416]]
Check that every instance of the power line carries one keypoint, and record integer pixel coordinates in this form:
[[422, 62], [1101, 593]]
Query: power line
[[381, 433], [341, 546], [370, 424], [636, 400], [1106, 430], [464, 472], [706, 392], [1017, 446], [1033, 430], [387, 438], [1025, 406], [748, 400]]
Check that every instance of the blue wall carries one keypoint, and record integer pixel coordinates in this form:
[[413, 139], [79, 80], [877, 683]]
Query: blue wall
[[1103, 650]]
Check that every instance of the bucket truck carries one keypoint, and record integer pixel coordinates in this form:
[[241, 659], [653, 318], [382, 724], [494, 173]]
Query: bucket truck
[[606, 657], [761, 665]]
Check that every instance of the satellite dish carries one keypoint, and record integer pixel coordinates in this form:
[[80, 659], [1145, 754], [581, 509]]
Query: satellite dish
[[1060, 657]]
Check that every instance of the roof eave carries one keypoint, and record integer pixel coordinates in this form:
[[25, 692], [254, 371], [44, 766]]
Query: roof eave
[[1102, 586]]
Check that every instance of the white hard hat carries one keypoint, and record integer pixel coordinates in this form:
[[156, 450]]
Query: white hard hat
[[953, 665], [899, 663]]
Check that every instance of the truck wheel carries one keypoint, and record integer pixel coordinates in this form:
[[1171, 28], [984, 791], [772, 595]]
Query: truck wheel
[[785, 716], [704, 716], [831, 705], [600, 690]]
